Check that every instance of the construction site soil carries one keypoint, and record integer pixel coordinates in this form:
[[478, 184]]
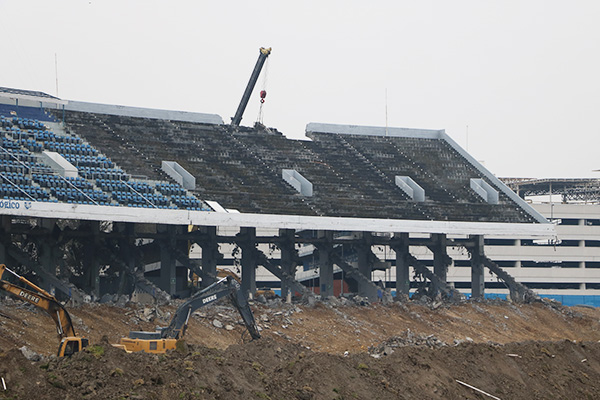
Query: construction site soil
[[328, 350]]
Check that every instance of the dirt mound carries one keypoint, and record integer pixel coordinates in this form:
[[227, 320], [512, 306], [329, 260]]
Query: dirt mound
[[267, 369], [327, 351]]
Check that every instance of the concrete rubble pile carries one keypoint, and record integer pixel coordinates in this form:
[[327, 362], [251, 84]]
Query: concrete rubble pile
[[408, 339]]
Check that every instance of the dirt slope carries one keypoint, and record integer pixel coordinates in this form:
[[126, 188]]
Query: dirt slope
[[325, 351]]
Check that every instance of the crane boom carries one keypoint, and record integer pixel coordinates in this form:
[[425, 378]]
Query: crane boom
[[262, 57]]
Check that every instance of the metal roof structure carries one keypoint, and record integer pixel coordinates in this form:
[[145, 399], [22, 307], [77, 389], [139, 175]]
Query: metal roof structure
[[570, 189], [30, 95]]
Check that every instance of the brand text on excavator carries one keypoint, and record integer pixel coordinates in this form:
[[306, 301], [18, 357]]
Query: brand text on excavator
[[209, 299], [29, 297]]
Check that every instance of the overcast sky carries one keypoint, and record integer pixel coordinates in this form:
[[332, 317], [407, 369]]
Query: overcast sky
[[522, 75]]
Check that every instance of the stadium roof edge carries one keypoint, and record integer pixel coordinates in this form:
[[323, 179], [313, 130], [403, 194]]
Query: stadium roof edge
[[318, 127], [30, 95], [140, 112]]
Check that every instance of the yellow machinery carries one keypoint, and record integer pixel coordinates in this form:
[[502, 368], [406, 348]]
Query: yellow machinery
[[69, 342], [166, 338], [149, 342]]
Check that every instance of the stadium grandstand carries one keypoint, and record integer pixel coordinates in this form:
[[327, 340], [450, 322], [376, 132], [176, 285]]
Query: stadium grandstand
[[102, 199]]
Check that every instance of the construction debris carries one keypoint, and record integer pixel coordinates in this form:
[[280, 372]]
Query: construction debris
[[408, 339]]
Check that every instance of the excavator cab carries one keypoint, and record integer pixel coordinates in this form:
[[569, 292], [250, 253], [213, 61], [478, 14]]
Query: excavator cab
[[71, 345]]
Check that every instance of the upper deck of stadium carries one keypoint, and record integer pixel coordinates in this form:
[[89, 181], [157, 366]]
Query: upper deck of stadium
[[356, 172]]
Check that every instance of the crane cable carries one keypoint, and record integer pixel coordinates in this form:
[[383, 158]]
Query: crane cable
[[263, 92]]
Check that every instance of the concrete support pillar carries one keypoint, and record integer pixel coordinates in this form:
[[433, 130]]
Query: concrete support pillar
[[90, 259], [326, 264], [127, 254], [440, 259], [365, 266], [210, 255], [402, 265], [3, 254], [477, 268], [168, 266], [288, 263], [5, 227], [248, 245], [47, 254]]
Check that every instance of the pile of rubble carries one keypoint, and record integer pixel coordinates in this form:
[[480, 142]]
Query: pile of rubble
[[408, 339]]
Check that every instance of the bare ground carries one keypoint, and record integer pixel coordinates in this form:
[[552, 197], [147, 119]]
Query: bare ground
[[327, 351]]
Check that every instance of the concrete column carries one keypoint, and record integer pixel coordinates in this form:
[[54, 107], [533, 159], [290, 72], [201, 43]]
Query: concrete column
[[365, 267], [47, 256], [210, 255], [127, 247], [90, 259], [5, 227], [288, 263], [440, 259], [402, 266], [477, 268], [168, 266], [326, 264], [248, 246], [3, 254]]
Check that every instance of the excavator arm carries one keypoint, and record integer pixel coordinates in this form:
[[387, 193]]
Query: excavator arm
[[167, 338], [223, 287], [69, 342], [39, 298]]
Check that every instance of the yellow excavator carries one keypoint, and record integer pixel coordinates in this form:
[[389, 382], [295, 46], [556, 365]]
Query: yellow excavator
[[70, 343], [166, 338]]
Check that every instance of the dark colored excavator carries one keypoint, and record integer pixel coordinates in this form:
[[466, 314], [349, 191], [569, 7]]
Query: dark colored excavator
[[166, 338], [70, 343]]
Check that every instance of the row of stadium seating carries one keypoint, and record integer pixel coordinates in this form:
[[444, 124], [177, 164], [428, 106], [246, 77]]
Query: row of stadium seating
[[67, 148], [16, 178], [80, 196], [22, 192], [56, 181], [98, 161], [170, 189], [37, 134], [151, 200], [23, 123]]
